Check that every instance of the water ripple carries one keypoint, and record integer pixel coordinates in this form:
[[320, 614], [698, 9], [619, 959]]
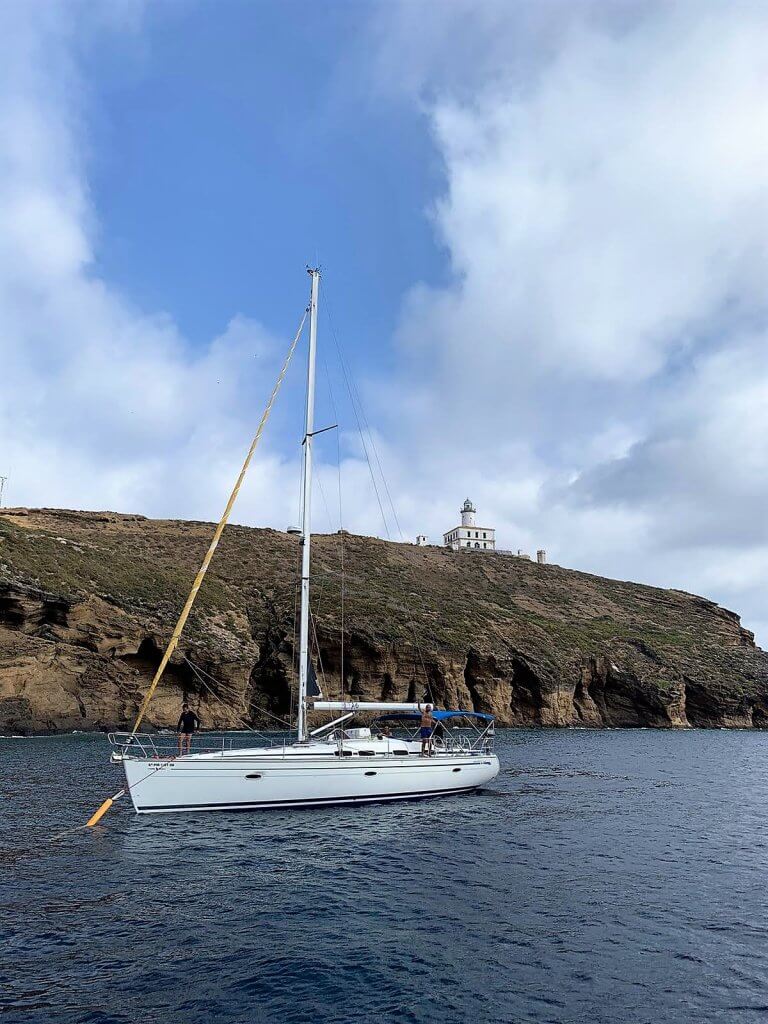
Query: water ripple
[[603, 877]]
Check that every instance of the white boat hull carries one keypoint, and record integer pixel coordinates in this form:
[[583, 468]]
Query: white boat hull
[[264, 779]]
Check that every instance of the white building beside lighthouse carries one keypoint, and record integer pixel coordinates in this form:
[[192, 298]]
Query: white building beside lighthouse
[[469, 534]]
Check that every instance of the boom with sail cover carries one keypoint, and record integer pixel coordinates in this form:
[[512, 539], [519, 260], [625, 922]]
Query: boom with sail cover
[[364, 705]]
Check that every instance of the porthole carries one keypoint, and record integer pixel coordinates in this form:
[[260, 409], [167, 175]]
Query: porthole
[[253, 775], [457, 769], [370, 773]]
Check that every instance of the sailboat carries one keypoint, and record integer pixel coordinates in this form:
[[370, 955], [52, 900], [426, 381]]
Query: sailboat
[[335, 763]]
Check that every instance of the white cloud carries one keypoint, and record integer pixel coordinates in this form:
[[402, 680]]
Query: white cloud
[[103, 405], [606, 218]]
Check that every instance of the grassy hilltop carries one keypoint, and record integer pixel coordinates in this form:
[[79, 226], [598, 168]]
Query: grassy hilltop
[[88, 600]]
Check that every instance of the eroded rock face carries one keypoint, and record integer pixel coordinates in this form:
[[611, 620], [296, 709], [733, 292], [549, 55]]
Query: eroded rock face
[[88, 601], [86, 664]]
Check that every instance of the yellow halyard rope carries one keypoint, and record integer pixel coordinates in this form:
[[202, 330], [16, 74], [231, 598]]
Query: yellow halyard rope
[[217, 536], [172, 643]]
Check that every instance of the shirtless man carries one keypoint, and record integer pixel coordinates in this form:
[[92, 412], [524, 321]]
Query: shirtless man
[[427, 725], [188, 723]]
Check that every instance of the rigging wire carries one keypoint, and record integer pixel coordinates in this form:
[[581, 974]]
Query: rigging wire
[[313, 626], [317, 646], [341, 522], [295, 655], [200, 672], [356, 401], [355, 396], [342, 364], [323, 576], [235, 694], [342, 568], [325, 502]]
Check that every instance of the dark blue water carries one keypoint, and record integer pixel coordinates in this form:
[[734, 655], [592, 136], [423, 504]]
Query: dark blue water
[[604, 877]]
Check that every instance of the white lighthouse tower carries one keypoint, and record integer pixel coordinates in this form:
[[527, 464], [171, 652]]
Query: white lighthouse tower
[[468, 513], [469, 534]]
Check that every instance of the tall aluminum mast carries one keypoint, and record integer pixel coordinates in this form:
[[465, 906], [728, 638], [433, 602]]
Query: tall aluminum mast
[[306, 509]]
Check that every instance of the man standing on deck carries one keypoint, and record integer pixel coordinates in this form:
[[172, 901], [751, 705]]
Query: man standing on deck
[[188, 723], [427, 726]]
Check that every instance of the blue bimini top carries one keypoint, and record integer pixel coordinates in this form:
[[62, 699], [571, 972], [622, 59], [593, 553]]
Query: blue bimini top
[[439, 716]]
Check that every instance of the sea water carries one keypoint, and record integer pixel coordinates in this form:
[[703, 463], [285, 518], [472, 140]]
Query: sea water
[[603, 877]]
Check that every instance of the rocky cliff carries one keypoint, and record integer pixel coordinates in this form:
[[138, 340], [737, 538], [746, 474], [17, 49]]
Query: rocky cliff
[[88, 601]]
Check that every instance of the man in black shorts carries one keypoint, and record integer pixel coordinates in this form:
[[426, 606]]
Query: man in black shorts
[[188, 723], [427, 727]]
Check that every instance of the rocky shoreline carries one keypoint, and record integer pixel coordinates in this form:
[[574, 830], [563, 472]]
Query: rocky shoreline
[[88, 599]]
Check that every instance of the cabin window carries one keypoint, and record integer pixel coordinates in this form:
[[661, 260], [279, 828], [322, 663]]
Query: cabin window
[[370, 773], [400, 753], [344, 753], [366, 753]]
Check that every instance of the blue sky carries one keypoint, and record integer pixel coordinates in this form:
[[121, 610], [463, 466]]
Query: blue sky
[[544, 235], [231, 147]]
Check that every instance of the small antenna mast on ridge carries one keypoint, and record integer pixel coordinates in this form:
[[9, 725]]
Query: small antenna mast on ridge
[[3, 482]]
